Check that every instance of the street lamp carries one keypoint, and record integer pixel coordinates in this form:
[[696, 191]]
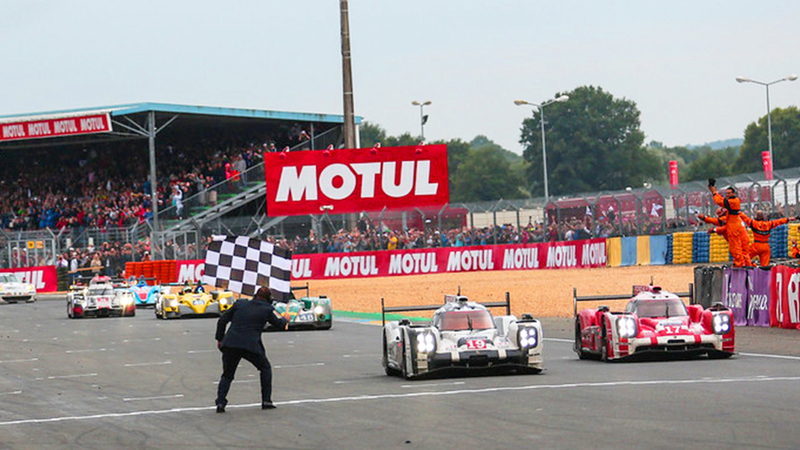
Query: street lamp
[[422, 119], [560, 99], [791, 77]]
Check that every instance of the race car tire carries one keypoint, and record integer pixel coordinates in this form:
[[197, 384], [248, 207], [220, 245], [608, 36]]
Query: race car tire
[[69, 312], [578, 347], [604, 346], [408, 375], [389, 371], [326, 325], [719, 355]]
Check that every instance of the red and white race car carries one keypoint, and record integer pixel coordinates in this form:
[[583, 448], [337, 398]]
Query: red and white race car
[[654, 322]]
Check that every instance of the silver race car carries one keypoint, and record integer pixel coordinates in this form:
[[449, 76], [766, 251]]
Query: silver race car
[[461, 335], [305, 313], [12, 290], [101, 298]]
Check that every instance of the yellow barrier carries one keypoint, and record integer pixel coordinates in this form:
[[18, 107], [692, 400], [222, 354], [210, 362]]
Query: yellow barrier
[[614, 248], [643, 250]]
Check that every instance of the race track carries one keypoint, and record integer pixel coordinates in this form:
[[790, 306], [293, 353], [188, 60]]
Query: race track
[[143, 383]]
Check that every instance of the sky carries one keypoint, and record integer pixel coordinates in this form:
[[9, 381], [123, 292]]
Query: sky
[[676, 59]]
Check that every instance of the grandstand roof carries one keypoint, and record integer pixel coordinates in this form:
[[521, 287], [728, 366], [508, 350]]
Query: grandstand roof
[[133, 108]]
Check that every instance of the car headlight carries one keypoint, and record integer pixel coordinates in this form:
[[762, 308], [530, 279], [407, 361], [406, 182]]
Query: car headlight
[[173, 303], [29, 287], [426, 343], [126, 299], [319, 310], [223, 301], [626, 327], [721, 323], [528, 337]]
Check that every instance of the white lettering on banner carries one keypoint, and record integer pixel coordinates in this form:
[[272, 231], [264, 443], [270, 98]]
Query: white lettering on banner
[[521, 258], [594, 254], [191, 272], [13, 131], [414, 175], [794, 298], [346, 266], [65, 126], [92, 124], [559, 256], [410, 263], [733, 300], [757, 303], [469, 260], [34, 277], [301, 268], [39, 129]]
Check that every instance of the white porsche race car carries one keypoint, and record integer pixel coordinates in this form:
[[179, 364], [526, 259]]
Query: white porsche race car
[[12, 290], [461, 335]]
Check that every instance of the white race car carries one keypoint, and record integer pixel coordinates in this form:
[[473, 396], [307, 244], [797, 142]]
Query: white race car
[[461, 335], [12, 290], [101, 298]]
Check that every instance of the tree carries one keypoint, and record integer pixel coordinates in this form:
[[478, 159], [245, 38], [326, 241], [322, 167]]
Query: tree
[[485, 174], [370, 134], [785, 141], [593, 143], [711, 164]]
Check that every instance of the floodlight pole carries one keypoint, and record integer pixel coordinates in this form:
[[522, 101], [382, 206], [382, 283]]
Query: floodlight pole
[[347, 78], [151, 137]]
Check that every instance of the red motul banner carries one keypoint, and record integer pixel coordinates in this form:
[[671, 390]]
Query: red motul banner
[[35, 129], [355, 180], [673, 174], [784, 305], [557, 255], [385, 263], [766, 161], [43, 278]]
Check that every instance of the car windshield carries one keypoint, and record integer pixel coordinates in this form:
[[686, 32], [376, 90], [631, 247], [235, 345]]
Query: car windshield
[[8, 278], [466, 320], [658, 308], [101, 291]]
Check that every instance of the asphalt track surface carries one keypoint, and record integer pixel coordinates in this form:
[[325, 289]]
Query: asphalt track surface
[[143, 383]]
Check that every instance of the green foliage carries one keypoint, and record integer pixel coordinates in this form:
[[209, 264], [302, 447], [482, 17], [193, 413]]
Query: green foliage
[[370, 134], [785, 141], [485, 174], [711, 164], [593, 143]]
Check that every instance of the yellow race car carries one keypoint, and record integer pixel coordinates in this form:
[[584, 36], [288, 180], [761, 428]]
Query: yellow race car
[[183, 300]]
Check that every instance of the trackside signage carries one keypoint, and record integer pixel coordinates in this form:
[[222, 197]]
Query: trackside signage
[[321, 266], [784, 307], [43, 278], [354, 180], [65, 126]]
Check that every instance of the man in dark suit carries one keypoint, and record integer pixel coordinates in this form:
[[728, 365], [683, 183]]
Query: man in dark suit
[[243, 340]]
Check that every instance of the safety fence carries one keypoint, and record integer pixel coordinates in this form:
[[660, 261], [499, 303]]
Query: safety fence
[[758, 297]]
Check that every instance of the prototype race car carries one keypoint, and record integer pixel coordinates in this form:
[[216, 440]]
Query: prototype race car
[[143, 294], [306, 313], [12, 290], [654, 322], [461, 335], [100, 298], [188, 301]]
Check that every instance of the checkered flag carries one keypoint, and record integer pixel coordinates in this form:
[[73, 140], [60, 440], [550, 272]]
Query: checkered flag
[[242, 264]]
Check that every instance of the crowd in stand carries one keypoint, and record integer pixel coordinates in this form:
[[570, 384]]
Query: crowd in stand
[[109, 186]]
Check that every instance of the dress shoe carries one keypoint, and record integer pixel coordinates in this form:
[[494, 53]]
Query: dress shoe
[[220, 408], [268, 405]]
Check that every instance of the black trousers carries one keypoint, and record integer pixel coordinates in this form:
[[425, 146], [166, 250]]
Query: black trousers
[[230, 360]]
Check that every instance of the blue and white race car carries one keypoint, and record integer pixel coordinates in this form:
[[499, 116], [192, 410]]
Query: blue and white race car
[[145, 295]]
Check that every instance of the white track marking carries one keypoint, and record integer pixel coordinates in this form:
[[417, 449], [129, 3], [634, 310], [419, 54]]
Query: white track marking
[[149, 364], [406, 395], [11, 393], [140, 340], [292, 366], [18, 360], [135, 399], [201, 351], [362, 354], [80, 375], [764, 355], [431, 384], [570, 341], [86, 351]]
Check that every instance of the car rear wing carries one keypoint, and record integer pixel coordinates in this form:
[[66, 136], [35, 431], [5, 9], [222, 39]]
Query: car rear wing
[[393, 309], [635, 290], [302, 288]]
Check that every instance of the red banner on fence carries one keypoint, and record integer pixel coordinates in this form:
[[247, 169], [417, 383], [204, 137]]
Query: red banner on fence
[[386, 263], [784, 305], [355, 180], [766, 161], [64, 126], [673, 174], [43, 278]]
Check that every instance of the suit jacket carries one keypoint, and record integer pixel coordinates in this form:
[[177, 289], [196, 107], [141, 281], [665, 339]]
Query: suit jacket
[[247, 319]]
